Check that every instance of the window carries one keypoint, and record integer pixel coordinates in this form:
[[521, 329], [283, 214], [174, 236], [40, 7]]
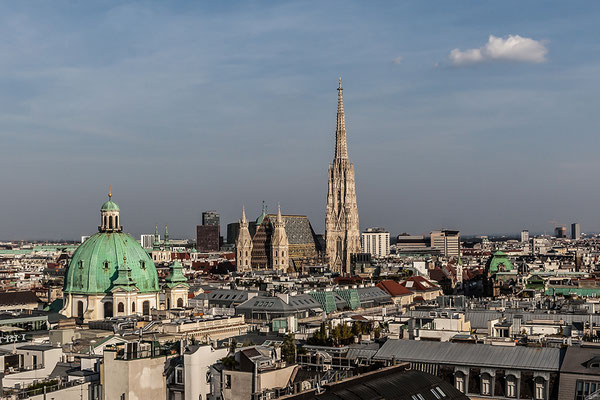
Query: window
[[435, 393], [540, 388], [486, 384], [584, 388], [179, 376], [133, 306], [227, 381], [146, 307], [180, 302], [460, 382], [511, 386], [439, 390], [110, 222], [121, 307], [108, 309], [80, 309], [105, 264]]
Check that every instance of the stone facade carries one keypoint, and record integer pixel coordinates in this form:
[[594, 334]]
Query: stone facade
[[243, 246], [342, 236]]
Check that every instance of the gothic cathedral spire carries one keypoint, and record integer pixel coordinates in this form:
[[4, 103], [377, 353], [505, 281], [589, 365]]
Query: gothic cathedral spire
[[342, 237]]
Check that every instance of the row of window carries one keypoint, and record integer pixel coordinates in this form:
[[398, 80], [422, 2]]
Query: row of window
[[108, 308], [511, 385]]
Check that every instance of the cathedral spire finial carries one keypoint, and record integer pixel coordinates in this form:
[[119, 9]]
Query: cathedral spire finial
[[244, 214], [341, 146]]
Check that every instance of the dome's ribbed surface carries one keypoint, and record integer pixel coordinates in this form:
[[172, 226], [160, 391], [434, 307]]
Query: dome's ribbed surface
[[93, 268]]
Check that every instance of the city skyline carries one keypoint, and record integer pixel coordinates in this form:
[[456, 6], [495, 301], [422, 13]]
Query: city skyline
[[487, 128]]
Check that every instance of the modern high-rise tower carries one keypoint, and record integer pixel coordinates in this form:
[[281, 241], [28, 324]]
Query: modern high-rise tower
[[342, 237]]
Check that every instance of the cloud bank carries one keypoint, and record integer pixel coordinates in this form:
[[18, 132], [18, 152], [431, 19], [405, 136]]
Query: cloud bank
[[512, 48]]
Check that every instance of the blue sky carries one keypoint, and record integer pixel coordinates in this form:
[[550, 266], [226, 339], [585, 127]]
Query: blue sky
[[189, 106]]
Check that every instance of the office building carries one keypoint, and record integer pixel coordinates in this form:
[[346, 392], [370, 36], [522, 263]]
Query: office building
[[447, 242], [211, 218], [376, 241], [575, 231], [560, 232], [524, 236], [147, 241], [208, 235]]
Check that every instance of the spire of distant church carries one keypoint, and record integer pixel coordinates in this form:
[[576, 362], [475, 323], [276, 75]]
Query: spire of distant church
[[341, 146], [244, 221]]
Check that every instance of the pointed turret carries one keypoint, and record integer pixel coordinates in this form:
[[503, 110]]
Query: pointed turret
[[156, 243], [279, 244], [341, 145], [166, 243], [243, 245]]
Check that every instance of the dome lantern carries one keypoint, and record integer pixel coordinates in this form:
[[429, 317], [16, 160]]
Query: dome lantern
[[109, 215]]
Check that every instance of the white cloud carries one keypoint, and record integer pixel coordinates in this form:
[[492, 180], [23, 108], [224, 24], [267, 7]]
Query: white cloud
[[398, 60], [512, 48]]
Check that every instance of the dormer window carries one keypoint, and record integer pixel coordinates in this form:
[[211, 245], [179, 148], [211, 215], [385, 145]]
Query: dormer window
[[106, 265], [142, 264], [594, 362]]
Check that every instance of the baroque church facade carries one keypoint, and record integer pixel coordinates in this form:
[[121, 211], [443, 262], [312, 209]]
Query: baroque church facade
[[342, 235]]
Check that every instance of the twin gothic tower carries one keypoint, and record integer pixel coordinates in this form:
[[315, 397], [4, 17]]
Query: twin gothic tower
[[342, 236]]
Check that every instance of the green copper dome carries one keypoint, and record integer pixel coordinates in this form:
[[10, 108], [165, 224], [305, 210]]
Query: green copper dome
[[500, 259], [95, 265], [110, 206]]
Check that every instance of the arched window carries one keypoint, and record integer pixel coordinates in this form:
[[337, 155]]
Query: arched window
[[511, 386], [105, 222], [283, 254], [540, 388], [246, 253], [180, 302], [168, 303], [459, 383], [146, 307], [133, 306], [275, 253], [117, 222], [121, 307], [110, 222], [486, 384], [80, 309], [108, 309]]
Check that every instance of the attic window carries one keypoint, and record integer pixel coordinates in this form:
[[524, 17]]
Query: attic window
[[105, 264], [142, 264]]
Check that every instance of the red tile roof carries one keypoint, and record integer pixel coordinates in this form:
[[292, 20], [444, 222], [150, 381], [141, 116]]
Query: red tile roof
[[393, 288], [419, 284]]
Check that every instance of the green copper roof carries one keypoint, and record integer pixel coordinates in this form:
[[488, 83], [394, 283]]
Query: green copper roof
[[326, 300], [262, 216], [500, 258], [109, 206], [176, 276], [350, 296], [94, 266]]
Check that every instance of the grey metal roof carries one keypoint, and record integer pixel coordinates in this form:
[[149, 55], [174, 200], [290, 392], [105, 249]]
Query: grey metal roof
[[479, 319], [474, 355], [365, 351]]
